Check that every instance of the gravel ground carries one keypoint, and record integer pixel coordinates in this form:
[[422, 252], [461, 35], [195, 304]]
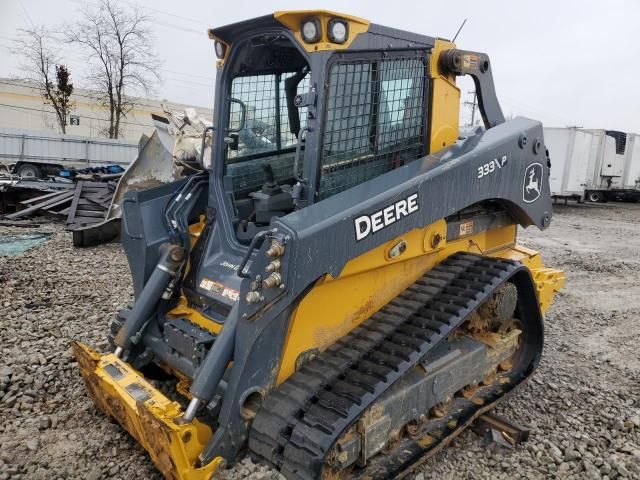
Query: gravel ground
[[583, 403]]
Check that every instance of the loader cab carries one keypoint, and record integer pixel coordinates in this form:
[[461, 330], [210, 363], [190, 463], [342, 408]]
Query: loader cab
[[258, 130], [310, 104]]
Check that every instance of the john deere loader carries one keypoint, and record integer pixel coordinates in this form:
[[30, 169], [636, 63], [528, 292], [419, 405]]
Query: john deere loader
[[341, 292]]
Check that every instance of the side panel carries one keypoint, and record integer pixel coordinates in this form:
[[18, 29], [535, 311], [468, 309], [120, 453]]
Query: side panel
[[569, 151], [595, 159], [496, 164], [558, 142], [143, 229], [334, 307], [69, 150], [578, 163]]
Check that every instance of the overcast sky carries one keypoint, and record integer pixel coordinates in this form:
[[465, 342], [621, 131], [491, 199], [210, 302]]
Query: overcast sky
[[562, 62]]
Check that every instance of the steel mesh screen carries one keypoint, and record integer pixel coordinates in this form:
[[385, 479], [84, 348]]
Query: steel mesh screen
[[258, 94], [375, 118], [262, 118], [266, 136]]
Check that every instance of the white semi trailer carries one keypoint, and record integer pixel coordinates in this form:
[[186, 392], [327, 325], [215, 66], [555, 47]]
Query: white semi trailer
[[29, 153], [570, 151], [596, 165]]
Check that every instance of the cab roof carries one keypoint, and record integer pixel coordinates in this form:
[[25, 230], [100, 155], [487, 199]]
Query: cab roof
[[291, 19]]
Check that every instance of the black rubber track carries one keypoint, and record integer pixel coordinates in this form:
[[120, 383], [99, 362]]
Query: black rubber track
[[302, 418]]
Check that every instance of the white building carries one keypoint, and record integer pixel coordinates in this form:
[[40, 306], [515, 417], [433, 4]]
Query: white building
[[22, 107]]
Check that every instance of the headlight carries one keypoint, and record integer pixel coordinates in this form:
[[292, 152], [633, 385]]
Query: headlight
[[338, 30], [221, 49], [310, 30]]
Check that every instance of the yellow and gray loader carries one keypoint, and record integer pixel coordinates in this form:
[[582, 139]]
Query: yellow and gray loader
[[339, 292]]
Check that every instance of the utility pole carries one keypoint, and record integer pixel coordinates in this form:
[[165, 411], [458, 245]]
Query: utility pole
[[473, 106]]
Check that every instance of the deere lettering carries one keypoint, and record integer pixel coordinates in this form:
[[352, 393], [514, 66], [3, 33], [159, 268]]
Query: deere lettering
[[368, 224]]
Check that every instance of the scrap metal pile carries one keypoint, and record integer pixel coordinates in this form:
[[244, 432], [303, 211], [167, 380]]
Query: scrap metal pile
[[80, 203], [88, 199]]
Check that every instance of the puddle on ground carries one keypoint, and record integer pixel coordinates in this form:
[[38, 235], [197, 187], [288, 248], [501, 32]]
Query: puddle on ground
[[12, 245]]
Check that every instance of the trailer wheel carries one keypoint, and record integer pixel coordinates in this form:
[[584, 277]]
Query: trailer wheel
[[595, 197], [29, 170]]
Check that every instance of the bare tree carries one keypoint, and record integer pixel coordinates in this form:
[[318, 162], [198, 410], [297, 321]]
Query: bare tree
[[123, 63], [41, 66]]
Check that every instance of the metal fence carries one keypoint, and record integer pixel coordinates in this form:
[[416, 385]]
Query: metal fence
[[51, 148]]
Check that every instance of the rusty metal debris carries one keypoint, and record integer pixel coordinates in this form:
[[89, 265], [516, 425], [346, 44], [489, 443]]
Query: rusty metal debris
[[499, 431], [84, 204], [81, 203], [90, 203]]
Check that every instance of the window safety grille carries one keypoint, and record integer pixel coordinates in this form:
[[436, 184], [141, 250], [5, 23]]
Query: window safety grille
[[266, 137], [375, 119], [267, 120], [258, 93]]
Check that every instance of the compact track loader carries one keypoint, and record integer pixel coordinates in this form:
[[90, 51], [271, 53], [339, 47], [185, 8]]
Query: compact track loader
[[341, 292]]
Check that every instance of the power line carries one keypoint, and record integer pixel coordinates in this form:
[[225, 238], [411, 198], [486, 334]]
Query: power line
[[205, 77], [473, 106], [522, 106], [178, 27], [93, 97], [84, 95], [80, 58], [17, 107], [170, 25], [170, 14], [83, 58], [208, 85], [201, 34]]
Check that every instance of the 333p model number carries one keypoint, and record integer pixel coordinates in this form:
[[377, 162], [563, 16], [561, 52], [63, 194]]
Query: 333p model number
[[492, 166]]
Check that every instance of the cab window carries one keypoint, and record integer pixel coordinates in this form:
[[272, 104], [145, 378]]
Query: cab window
[[266, 136], [375, 119]]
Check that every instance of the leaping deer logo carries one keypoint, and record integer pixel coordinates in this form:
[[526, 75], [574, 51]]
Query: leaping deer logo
[[533, 183]]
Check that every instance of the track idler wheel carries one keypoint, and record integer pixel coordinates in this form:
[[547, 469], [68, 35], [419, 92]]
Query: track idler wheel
[[501, 306]]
